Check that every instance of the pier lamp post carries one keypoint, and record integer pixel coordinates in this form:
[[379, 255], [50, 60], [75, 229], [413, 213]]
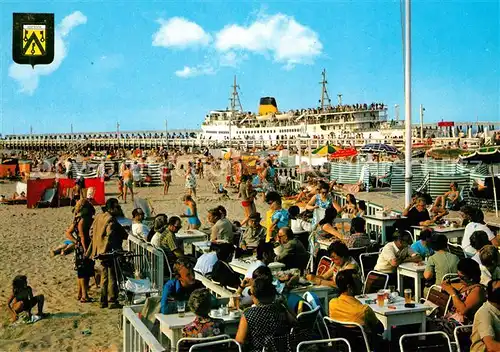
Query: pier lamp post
[[407, 81]]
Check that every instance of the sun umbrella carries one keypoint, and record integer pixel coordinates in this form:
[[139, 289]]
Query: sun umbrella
[[379, 148], [344, 153], [325, 149]]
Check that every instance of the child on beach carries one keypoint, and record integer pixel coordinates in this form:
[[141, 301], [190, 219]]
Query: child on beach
[[65, 248], [22, 300]]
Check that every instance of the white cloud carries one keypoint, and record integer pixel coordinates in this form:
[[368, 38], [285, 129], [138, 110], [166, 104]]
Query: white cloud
[[199, 70], [281, 36], [27, 77], [180, 33]]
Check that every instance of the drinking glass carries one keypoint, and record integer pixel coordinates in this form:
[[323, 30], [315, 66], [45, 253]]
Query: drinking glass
[[181, 308], [407, 295], [380, 298]]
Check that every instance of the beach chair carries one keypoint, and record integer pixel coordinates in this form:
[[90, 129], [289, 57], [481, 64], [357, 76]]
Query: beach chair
[[47, 198], [426, 342]]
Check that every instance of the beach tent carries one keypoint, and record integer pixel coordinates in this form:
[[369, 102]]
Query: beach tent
[[36, 189]]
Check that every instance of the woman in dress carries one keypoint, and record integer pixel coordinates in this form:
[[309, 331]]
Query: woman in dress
[[320, 202], [191, 214], [267, 321], [190, 180]]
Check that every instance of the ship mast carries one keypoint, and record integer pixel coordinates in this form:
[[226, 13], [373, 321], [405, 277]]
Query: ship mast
[[235, 98], [325, 98]]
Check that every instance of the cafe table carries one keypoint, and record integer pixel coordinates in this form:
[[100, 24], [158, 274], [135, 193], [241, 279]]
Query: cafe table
[[171, 325], [189, 236], [453, 233], [380, 223], [415, 271], [396, 314]]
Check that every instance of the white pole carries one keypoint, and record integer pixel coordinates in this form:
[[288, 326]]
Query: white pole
[[494, 190], [408, 173], [421, 123]]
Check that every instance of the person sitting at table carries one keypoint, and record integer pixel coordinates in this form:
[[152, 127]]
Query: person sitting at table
[[476, 223], [326, 226], [339, 254], [179, 288], [362, 209], [254, 233], [441, 262], [478, 240], [200, 303], [347, 308], [358, 237], [395, 253], [490, 267], [467, 296], [167, 241], [222, 271], [416, 213], [421, 247], [205, 263], [222, 228], [139, 230], [486, 327], [321, 201], [292, 252], [350, 209], [265, 256], [280, 217], [266, 321]]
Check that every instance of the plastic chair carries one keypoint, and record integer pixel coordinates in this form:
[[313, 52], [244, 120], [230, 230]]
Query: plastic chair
[[352, 332], [185, 344], [425, 342], [375, 281], [313, 300], [306, 322], [463, 337], [331, 345], [368, 262]]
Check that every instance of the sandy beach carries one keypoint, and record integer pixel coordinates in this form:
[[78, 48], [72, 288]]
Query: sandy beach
[[27, 235]]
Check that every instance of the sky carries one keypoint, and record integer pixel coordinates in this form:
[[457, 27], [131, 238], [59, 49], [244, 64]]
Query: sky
[[141, 63]]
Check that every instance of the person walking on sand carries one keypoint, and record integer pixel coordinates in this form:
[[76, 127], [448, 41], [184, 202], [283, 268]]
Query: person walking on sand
[[190, 180], [166, 177], [128, 183]]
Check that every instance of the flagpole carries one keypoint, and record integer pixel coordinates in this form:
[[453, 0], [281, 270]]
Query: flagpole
[[408, 171]]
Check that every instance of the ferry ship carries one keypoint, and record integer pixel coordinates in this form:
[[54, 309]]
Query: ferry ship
[[367, 121]]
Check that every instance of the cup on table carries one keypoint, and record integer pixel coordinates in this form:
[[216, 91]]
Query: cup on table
[[181, 308], [380, 298], [407, 295], [214, 313]]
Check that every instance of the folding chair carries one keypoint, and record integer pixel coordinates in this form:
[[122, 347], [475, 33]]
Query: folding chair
[[368, 262], [375, 281], [437, 300], [326, 345], [356, 252], [457, 250], [229, 345], [463, 337], [313, 300], [352, 332], [306, 322], [425, 342]]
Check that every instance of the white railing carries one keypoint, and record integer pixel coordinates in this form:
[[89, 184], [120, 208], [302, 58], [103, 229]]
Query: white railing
[[152, 261], [136, 336]]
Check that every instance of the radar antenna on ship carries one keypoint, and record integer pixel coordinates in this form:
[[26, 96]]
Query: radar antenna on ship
[[234, 100], [325, 101]]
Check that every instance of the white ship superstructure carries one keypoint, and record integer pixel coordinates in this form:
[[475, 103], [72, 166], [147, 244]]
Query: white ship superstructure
[[325, 122]]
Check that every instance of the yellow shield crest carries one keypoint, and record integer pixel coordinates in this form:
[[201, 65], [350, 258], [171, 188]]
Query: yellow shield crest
[[34, 40]]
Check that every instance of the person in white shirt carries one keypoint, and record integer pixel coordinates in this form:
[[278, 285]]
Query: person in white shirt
[[139, 230], [205, 263], [478, 240], [395, 253], [490, 267], [265, 256], [476, 224]]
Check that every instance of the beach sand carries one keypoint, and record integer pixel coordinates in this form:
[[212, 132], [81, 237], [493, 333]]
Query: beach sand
[[27, 235]]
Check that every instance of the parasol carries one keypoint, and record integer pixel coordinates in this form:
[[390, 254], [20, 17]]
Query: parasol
[[325, 149], [344, 153]]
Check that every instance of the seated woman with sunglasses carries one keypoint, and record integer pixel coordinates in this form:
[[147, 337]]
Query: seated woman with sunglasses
[[467, 296]]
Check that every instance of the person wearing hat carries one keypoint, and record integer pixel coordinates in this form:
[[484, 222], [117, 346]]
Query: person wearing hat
[[254, 233]]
